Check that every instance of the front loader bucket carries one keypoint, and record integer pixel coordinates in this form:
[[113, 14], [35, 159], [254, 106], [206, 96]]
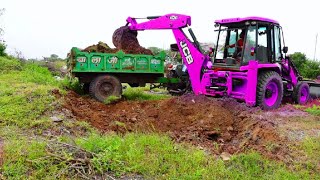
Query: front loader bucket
[[314, 90]]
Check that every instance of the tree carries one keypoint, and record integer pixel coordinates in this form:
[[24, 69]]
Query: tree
[[155, 50], [299, 59], [3, 46], [307, 68], [54, 56]]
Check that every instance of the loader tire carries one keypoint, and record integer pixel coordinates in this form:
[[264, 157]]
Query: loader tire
[[301, 93], [269, 90], [104, 86]]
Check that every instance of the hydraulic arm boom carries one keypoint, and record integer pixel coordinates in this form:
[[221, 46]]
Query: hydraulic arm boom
[[192, 56]]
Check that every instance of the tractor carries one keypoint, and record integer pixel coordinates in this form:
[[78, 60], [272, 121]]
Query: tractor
[[248, 63]]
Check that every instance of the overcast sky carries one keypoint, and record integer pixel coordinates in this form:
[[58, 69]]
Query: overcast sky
[[41, 27]]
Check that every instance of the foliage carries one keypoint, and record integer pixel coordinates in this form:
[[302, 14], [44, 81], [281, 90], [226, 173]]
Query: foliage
[[112, 99], [23, 89], [307, 68], [156, 156], [313, 110], [171, 57], [140, 94], [9, 64], [3, 49]]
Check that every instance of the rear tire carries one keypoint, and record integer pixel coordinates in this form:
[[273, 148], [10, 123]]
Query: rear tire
[[104, 86], [269, 90], [301, 93]]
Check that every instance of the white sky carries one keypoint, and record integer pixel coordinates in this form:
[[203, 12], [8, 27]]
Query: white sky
[[42, 27]]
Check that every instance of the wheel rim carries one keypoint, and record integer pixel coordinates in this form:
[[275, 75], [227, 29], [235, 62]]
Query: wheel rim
[[271, 94], [106, 89], [304, 94]]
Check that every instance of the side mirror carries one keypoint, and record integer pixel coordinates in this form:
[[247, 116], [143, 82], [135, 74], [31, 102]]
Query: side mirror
[[285, 49], [174, 47]]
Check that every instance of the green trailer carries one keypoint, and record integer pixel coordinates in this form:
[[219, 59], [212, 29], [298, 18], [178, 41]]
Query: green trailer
[[103, 73]]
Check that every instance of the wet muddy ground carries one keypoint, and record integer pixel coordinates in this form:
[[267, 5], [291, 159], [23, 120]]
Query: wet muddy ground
[[219, 125]]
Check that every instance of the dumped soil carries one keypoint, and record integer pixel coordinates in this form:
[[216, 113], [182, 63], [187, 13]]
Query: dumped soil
[[100, 47], [216, 124]]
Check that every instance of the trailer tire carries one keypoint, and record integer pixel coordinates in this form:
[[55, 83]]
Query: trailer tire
[[104, 86], [301, 93], [85, 88], [269, 90]]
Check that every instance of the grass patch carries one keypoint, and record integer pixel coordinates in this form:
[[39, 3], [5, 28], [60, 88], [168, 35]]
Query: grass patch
[[25, 95], [9, 64], [156, 156], [112, 99], [140, 94], [315, 110]]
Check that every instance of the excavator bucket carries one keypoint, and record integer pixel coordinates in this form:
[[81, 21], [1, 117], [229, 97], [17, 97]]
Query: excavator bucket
[[125, 39]]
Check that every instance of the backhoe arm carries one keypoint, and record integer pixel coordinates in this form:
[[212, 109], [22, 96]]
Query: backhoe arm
[[169, 21], [190, 53]]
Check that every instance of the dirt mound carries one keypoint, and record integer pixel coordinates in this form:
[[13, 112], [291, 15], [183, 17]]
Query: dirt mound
[[221, 125], [100, 47]]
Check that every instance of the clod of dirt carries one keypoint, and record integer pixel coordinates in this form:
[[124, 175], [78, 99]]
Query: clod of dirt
[[225, 156], [204, 122]]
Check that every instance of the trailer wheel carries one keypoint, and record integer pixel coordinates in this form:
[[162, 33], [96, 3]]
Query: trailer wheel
[[85, 88], [301, 93], [269, 90], [104, 86]]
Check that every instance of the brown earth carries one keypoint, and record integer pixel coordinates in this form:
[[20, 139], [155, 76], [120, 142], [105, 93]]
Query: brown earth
[[218, 125], [1, 153]]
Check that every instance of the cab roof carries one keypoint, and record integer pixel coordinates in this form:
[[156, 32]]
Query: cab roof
[[251, 18]]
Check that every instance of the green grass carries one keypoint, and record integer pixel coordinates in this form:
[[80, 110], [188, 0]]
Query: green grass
[[9, 64], [156, 156], [315, 110], [26, 94], [139, 93], [112, 99], [150, 155]]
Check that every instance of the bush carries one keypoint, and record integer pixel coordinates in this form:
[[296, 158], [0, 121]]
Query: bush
[[3, 48], [307, 68], [7, 64]]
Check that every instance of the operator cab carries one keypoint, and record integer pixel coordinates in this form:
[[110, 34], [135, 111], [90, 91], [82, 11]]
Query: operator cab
[[261, 40]]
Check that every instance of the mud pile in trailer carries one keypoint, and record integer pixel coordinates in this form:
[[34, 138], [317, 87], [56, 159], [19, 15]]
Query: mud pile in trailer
[[123, 39], [101, 47], [219, 125]]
